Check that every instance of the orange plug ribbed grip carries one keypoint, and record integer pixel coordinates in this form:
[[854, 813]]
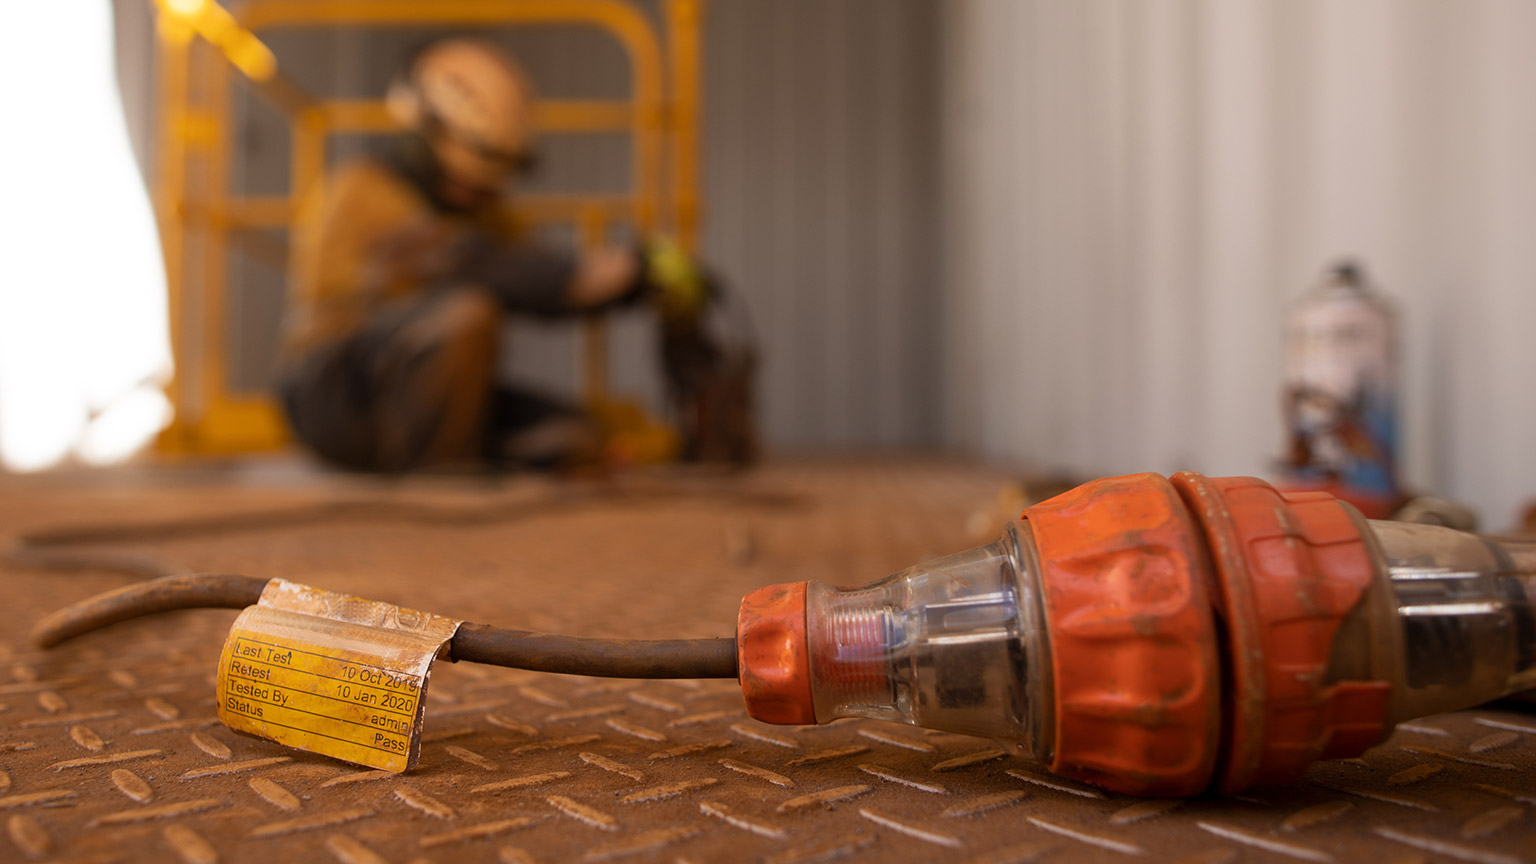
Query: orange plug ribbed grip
[[1137, 572], [1133, 641]]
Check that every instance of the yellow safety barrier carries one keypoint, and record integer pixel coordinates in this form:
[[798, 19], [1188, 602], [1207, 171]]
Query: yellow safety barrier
[[201, 41]]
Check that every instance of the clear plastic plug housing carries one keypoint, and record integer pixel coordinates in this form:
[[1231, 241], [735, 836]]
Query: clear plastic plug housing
[[1465, 616], [957, 644]]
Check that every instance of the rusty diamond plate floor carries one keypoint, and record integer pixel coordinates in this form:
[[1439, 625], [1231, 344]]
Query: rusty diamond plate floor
[[110, 750]]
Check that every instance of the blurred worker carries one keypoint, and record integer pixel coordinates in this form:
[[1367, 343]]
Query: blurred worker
[[406, 264]]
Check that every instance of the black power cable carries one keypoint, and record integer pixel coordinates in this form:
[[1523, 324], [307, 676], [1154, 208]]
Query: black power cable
[[475, 643]]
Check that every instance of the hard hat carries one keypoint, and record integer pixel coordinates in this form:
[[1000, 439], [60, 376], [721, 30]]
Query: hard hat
[[473, 91]]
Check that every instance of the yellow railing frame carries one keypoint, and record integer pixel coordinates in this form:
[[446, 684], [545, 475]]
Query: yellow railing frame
[[195, 207]]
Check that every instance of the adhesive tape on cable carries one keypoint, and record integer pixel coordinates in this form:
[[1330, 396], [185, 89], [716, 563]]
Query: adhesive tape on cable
[[332, 674]]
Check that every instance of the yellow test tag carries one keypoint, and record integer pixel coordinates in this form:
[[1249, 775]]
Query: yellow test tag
[[332, 674]]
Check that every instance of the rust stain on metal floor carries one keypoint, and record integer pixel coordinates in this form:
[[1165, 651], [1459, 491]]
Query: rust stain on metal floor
[[109, 750]]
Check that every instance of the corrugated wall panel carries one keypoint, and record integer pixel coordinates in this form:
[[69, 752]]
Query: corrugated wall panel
[[821, 166]]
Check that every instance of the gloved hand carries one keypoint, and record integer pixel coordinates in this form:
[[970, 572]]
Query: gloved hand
[[674, 280], [708, 374]]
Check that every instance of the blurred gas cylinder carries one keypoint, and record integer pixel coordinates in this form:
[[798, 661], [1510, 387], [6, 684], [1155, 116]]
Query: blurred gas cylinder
[[1341, 393]]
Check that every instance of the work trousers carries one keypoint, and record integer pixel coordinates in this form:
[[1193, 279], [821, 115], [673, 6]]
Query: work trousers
[[414, 386]]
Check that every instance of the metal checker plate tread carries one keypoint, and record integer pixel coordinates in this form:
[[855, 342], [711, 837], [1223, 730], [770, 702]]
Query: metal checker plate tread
[[110, 750]]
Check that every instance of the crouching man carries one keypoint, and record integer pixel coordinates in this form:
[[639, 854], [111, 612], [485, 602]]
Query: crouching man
[[406, 265]]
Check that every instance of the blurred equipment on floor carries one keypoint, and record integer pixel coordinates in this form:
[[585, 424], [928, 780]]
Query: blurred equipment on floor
[[1430, 510]]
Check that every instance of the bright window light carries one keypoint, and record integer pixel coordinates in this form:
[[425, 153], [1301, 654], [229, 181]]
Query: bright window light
[[84, 346]]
